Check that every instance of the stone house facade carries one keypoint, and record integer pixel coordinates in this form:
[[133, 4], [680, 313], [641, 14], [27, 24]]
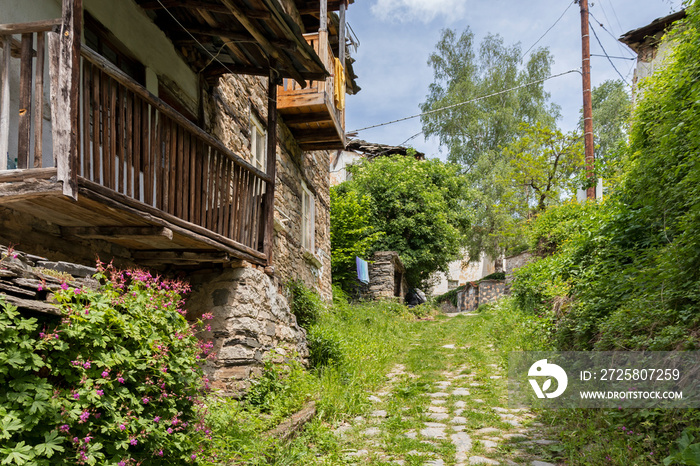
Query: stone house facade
[[158, 142], [475, 294]]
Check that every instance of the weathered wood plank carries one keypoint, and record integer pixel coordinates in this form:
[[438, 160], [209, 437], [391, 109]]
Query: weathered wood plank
[[39, 100], [5, 101], [29, 27], [13, 192], [12, 176], [25, 102], [269, 200], [169, 257], [112, 154], [178, 226], [289, 428], [118, 232], [85, 129], [95, 102], [129, 122]]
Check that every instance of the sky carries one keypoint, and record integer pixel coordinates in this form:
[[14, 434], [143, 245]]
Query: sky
[[396, 38]]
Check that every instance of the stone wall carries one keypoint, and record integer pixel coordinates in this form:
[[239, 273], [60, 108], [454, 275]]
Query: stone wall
[[491, 290], [477, 293], [387, 277], [513, 263], [251, 320], [228, 115]]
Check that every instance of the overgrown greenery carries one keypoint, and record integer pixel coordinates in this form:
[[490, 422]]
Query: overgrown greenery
[[116, 381], [352, 347], [417, 208], [625, 274], [352, 234]]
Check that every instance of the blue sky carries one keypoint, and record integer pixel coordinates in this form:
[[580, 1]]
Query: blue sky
[[397, 36]]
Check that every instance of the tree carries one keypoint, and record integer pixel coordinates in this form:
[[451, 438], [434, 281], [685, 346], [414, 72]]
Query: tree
[[474, 129], [418, 206], [542, 164], [530, 174], [352, 235]]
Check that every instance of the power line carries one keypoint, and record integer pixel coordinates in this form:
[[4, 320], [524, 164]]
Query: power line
[[608, 56], [617, 58], [546, 32], [611, 34], [466, 101]]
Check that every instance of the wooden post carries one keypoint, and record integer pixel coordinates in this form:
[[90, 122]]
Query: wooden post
[[5, 101], [269, 216], [341, 35], [65, 86], [323, 17], [589, 145]]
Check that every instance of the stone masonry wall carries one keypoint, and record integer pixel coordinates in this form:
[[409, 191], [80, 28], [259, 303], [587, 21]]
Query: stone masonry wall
[[251, 320], [228, 113], [382, 270], [491, 290], [513, 263]]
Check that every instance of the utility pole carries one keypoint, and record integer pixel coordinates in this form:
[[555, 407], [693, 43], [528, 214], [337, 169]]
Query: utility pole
[[589, 148]]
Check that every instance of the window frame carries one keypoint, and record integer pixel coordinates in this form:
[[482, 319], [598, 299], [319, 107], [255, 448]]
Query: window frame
[[308, 219], [258, 138]]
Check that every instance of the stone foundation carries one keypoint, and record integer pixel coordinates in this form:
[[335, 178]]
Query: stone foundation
[[251, 319], [477, 293]]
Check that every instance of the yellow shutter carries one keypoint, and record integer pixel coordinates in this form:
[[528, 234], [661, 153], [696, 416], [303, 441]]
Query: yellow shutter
[[339, 91]]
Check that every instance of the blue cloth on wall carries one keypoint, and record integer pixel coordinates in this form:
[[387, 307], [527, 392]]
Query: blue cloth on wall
[[362, 270]]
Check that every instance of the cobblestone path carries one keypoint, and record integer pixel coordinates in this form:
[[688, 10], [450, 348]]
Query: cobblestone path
[[445, 404]]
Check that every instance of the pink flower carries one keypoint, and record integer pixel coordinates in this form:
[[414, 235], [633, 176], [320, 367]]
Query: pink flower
[[121, 463], [84, 417], [169, 430], [105, 374], [100, 392], [145, 400], [160, 453], [122, 427], [40, 288], [133, 441], [86, 364], [156, 419], [87, 439], [76, 396], [120, 379], [64, 428], [64, 286]]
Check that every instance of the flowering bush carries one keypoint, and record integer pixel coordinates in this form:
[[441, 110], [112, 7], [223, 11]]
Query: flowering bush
[[116, 381]]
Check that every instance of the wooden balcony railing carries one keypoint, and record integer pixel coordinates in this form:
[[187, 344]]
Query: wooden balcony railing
[[131, 146], [319, 107]]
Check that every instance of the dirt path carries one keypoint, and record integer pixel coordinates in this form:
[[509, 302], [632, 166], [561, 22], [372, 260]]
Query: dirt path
[[445, 403]]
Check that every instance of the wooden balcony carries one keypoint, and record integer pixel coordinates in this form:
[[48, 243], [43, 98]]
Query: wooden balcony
[[316, 114], [117, 167]]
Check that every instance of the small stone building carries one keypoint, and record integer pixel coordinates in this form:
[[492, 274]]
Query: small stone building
[[387, 277], [477, 293]]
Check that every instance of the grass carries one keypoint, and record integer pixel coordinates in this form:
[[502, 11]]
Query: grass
[[388, 353]]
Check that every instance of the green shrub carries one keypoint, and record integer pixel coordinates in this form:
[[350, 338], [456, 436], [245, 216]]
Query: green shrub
[[305, 304], [116, 381], [325, 348]]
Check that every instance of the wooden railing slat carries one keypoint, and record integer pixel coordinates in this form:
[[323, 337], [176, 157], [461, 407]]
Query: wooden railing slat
[[39, 100], [25, 101], [5, 101]]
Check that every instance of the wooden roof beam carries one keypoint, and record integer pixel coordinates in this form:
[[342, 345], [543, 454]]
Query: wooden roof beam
[[255, 31], [118, 232]]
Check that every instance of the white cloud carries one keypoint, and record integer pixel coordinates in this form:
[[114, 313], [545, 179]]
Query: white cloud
[[422, 10]]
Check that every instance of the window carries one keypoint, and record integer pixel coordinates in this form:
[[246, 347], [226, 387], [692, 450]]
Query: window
[[452, 284], [258, 143], [308, 220], [99, 39]]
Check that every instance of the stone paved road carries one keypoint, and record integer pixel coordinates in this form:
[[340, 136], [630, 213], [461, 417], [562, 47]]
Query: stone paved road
[[446, 405]]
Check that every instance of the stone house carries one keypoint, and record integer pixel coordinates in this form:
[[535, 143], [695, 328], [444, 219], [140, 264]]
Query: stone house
[[192, 138], [475, 294], [357, 150], [646, 43], [387, 277]]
